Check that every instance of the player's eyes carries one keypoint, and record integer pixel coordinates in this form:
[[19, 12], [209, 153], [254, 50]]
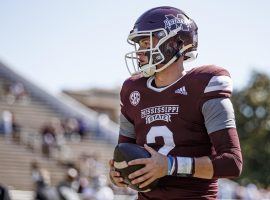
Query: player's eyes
[[144, 44]]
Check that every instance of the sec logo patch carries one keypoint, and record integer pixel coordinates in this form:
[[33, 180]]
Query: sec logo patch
[[134, 98]]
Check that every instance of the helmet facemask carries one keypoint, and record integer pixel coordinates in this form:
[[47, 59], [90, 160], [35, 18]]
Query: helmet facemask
[[168, 49], [153, 52]]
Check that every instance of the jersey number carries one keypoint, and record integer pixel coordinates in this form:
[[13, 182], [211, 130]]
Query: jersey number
[[161, 131]]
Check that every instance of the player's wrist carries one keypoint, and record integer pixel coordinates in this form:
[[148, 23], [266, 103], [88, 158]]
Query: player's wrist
[[184, 166], [171, 164]]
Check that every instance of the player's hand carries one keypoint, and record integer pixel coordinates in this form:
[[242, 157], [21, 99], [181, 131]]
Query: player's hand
[[155, 167], [115, 176]]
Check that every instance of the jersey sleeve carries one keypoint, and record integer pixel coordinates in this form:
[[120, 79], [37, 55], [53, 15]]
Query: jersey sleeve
[[126, 130], [218, 84], [228, 161], [214, 102], [219, 119]]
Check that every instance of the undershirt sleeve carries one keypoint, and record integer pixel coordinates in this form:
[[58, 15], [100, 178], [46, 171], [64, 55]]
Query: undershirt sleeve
[[126, 127], [218, 114]]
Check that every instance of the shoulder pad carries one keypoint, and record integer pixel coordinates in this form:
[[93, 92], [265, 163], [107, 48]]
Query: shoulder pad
[[213, 78]]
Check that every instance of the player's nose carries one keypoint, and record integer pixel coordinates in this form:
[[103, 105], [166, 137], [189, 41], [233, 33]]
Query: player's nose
[[141, 55]]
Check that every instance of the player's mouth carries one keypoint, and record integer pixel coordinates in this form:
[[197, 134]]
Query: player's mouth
[[142, 63]]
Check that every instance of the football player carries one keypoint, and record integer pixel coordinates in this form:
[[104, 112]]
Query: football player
[[185, 119]]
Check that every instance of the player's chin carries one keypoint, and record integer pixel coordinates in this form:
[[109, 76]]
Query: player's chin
[[142, 63]]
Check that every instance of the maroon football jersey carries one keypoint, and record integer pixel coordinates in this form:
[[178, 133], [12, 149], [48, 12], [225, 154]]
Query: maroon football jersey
[[170, 120]]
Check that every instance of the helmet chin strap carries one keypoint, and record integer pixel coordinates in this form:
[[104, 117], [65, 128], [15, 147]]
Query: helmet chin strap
[[149, 69]]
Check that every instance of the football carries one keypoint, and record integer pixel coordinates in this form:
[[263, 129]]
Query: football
[[125, 152]]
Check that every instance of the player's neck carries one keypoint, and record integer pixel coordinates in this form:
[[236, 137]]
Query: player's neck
[[169, 75]]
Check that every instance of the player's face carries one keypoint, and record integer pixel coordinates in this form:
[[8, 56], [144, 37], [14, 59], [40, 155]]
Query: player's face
[[145, 44]]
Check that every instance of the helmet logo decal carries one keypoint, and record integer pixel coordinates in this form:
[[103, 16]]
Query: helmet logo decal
[[134, 98], [173, 22]]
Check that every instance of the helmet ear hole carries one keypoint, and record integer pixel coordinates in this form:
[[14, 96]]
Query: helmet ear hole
[[170, 48], [179, 41]]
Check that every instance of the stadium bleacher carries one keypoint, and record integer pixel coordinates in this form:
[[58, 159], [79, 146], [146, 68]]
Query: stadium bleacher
[[15, 162], [15, 158]]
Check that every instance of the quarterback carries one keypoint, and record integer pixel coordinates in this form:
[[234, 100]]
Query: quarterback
[[185, 119]]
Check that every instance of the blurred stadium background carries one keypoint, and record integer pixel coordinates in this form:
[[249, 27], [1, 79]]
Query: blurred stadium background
[[67, 140], [62, 142]]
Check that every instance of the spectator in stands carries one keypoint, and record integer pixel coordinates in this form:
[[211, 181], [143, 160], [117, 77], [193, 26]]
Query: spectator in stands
[[16, 129], [102, 190], [35, 171], [252, 192], [9, 126], [71, 127], [2, 90], [83, 165], [90, 166], [42, 181], [44, 190], [17, 92], [59, 133], [229, 189], [4, 194], [48, 140], [97, 167], [5, 88], [98, 190], [239, 192], [82, 128], [58, 129], [69, 187], [85, 190]]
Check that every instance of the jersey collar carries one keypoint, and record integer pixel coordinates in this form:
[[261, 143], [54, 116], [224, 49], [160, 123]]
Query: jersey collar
[[156, 89]]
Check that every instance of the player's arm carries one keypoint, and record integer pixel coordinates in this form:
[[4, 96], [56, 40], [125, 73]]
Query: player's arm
[[220, 123], [126, 130], [227, 162]]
